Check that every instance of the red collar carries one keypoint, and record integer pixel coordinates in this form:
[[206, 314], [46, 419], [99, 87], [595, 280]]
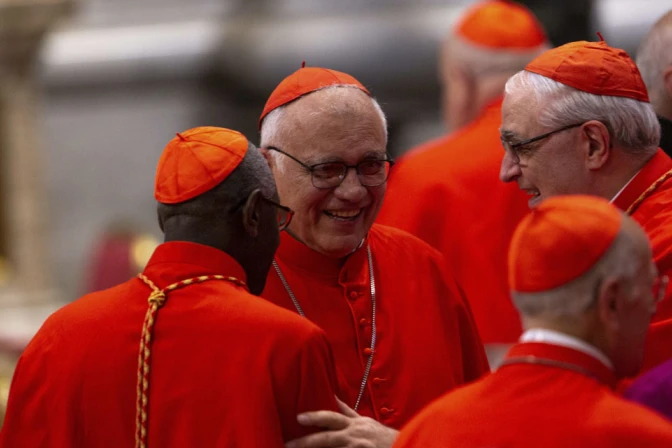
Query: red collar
[[179, 260], [298, 255], [658, 165], [562, 358]]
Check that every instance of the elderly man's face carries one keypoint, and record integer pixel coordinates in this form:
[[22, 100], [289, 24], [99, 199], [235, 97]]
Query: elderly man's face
[[549, 167], [333, 125]]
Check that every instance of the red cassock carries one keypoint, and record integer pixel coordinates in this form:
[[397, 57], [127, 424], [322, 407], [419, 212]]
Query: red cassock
[[542, 396], [649, 198], [426, 340], [448, 193], [227, 368]]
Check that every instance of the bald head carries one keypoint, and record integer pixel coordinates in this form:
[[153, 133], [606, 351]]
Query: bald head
[[654, 59]]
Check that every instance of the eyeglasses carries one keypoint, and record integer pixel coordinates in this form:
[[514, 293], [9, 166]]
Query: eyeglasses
[[660, 288], [283, 214], [371, 172], [512, 149]]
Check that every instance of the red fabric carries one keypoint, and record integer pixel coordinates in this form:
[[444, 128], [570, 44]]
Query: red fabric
[[448, 193], [227, 368], [501, 25], [196, 161], [303, 81], [427, 341], [535, 405], [592, 67], [549, 249], [655, 216]]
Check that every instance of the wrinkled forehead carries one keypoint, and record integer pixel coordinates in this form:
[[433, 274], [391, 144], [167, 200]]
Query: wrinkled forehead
[[520, 110], [333, 122]]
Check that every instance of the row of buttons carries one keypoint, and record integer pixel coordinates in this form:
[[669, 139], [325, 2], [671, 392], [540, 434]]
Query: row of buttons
[[384, 411]]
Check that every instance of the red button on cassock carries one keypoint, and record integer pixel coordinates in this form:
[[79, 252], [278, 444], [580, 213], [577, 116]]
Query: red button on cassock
[[354, 295], [367, 351], [363, 322]]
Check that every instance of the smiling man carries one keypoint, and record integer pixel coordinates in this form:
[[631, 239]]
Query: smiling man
[[401, 331], [578, 120]]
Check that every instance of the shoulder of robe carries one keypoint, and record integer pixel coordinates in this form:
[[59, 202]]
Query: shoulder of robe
[[399, 242], [278, 320], [627, 418]]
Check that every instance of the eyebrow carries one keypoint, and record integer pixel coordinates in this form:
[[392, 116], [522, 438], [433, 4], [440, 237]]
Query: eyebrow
[[509, 135], [378, 155]]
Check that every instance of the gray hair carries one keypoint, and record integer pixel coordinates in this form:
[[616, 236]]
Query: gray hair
[[632, 124], [485, 61], [574, 298], [653, 56], [272, 129]]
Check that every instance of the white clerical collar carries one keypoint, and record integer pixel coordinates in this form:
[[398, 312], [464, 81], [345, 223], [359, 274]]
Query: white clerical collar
[[564, 340], [624, 187]]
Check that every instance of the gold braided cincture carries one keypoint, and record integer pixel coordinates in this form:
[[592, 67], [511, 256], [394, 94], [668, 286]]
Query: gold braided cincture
[[654, 186], [156, 300]]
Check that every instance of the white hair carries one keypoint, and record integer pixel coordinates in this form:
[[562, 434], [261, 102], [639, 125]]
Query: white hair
[[485, 61], [273, 131], [653, 56], [576, 297], [632, 124]]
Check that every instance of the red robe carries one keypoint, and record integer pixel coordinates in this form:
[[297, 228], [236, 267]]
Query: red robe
[[427, 343], [227, 368], [543, 396], [655, 216], [448, 193]]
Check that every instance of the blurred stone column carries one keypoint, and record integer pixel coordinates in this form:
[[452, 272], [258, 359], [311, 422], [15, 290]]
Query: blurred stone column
[[26, 293]]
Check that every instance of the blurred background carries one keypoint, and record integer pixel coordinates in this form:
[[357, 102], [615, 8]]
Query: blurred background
[[92, 90]]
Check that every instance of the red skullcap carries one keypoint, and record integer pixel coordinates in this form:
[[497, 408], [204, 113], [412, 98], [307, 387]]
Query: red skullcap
[[197, 160], [561, 240], [501, 25], [592, 67], [303, 81]]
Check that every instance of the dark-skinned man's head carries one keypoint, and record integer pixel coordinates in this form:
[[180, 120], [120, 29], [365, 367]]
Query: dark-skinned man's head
[[214, 188]]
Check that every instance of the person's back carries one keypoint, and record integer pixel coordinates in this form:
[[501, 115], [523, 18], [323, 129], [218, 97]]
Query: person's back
[[584, 282], [536, 405], [212, 365], [447, 191]]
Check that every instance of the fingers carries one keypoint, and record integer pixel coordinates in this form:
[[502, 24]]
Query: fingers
[[324, 419], [345, 409], [326, 439]]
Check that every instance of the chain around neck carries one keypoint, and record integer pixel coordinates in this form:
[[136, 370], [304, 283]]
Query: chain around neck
[[372, 285]]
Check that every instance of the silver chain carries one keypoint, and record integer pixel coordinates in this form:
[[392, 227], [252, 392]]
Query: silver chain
[[372, 282]]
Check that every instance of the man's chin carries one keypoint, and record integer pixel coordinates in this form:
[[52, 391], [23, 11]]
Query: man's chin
[[339, 247]]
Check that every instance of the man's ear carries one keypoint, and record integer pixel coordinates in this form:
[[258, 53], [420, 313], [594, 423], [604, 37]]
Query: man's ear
[[609, 303], [252, 213], [596, 134]]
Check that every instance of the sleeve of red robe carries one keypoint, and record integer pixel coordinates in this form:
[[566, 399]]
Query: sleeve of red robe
[[35, 417], [302, 384]]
